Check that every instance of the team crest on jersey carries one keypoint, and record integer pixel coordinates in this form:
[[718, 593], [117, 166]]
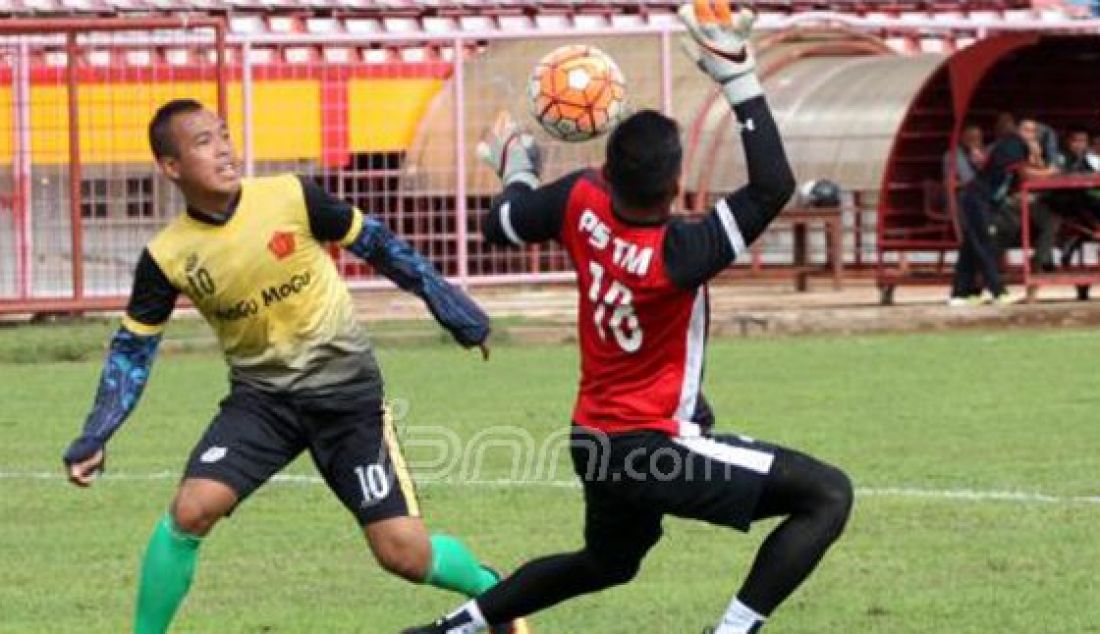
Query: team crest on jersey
[[281, 244]]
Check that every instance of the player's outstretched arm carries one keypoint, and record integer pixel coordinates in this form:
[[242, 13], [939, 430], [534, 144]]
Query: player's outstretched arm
[[524, 213], [412, 272], [126, 370], [125, 374], [334, 220], [719, 44]]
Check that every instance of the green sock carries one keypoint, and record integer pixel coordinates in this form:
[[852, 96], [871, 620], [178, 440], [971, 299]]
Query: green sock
[[166, 574], [455, 568]]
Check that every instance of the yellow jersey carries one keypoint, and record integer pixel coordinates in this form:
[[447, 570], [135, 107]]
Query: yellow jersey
[[264, 280]]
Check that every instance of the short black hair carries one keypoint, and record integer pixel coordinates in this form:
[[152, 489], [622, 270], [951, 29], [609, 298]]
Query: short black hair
[[160, 128], [971, 123], [644, 159], [1079, 129]]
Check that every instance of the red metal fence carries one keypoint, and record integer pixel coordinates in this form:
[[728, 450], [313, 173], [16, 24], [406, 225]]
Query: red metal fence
[[59, 229]]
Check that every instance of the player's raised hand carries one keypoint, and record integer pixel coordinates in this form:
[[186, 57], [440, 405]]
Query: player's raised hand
[[511, 152], [84, 472], [719, 38]]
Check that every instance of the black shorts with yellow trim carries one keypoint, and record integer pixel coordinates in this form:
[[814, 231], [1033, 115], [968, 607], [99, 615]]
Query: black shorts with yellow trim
[[349, 434]]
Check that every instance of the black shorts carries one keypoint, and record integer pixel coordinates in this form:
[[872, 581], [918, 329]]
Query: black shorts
[[349, 435], [631, 481]]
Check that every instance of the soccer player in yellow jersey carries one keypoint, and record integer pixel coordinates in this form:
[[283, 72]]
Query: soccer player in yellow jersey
[[250, 255]]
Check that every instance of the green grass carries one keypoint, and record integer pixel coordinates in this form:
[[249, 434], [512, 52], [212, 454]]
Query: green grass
[[976, 411]]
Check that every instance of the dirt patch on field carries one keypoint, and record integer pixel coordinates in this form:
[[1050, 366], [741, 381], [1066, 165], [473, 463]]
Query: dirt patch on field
[[548, 314]]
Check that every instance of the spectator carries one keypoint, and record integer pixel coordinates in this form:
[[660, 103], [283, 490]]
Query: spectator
[[1004, 127], [1035, 165], [987, 213], [1048, 141], [969, 156], [1076, 159], [1082, 205], [1094, 152]]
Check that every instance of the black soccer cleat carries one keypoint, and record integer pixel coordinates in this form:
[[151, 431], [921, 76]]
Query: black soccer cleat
[[519, 626], [434, 628]]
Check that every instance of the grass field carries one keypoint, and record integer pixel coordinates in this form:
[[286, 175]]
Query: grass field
[[935, 430]]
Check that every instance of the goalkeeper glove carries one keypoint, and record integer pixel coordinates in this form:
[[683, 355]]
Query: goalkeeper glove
[[511, 153], [719, 45]]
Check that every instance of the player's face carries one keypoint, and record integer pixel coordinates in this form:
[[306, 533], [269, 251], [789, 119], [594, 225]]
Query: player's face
[[1029, 131], [1078, 143], [206, 162], [972, 138]]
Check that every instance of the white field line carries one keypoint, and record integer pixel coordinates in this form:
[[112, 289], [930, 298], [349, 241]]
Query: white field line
[[966, 495]]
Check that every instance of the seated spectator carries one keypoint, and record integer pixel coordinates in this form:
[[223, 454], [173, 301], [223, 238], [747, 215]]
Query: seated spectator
[[1048, 142], [1094, 152], [1004, 128], [1076, 158], [990, 215], [1032, 164], [1082, 205], [969, 156]]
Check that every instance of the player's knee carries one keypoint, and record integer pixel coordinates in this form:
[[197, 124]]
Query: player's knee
[[837, 498], [409, 559], [614, 571], [200, 504], [192, 516]]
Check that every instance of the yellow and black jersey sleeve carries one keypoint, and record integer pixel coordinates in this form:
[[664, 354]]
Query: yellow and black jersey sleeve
[[331, 219], [152, 299]]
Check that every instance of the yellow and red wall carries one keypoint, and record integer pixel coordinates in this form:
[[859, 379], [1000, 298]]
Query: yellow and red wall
[[321, 112]]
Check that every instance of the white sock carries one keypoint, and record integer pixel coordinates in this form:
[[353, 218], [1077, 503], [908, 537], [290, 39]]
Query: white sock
[[739, 619], [469, 618]]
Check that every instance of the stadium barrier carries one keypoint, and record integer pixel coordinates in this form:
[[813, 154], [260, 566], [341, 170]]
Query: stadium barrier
[[387, 120], [80, 196]]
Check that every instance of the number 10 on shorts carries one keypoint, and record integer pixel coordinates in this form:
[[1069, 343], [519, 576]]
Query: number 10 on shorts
[[373, 482]]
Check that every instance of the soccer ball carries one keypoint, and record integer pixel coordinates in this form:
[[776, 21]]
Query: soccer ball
[[577, 93]]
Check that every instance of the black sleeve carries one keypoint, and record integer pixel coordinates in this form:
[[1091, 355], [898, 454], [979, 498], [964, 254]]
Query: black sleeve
[[153, 297], [330, 218], [522, 215], [696, 251], [1009, 154]]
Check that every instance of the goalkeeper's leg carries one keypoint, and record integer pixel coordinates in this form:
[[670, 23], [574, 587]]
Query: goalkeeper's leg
[[816, 499]]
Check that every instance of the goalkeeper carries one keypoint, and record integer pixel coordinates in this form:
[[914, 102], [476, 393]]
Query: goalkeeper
[[251, 255], [636, 445]]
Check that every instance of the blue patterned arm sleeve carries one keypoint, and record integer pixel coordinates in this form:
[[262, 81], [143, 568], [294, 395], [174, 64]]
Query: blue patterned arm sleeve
[[404, 266], [124, 376]]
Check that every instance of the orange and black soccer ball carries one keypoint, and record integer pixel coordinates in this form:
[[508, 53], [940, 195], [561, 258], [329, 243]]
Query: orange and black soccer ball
[[577, 93]]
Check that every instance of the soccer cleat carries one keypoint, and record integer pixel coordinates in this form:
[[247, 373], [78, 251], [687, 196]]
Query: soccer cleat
[[519, 626], [434, 628]]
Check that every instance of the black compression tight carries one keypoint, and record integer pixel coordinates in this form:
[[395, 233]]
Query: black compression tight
[[545, 582], [815, 498]]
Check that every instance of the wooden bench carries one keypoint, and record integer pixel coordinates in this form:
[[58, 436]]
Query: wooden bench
[[798, 220]]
